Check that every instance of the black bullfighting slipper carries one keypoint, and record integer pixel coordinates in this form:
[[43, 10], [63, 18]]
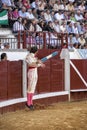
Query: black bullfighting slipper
[[31, 107]]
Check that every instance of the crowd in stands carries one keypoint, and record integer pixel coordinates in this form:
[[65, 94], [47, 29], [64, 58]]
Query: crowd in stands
[[60, 16]]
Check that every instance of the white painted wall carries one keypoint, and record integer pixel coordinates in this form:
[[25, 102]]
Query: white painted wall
[[74, 54], [15, 55]]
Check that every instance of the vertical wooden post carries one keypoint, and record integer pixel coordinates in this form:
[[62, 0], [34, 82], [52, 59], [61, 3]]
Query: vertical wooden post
[[24, 39], [18, 39], [44, 40]]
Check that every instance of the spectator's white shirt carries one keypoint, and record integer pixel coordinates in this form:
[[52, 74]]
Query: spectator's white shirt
[[22, 14], [71, 0], [82, 8], [34, 5], [56, 7], [38, 28], [47, 17], [81, 41], [7, 2], [63, 7], [18, 26], [78, 17], [52, 39], [31, 28], [58, 16], [56, 27], [63, 29], [29, 15], [70, 43], [75, 30], [41, 5]]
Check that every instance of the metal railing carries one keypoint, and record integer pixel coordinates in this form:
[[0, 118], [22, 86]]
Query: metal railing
[[43, 40]]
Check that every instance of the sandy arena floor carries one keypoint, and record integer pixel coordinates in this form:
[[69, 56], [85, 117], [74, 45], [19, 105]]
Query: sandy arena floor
[[60, 116]]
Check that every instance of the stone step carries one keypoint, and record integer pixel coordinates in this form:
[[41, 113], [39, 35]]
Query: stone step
[[6, 32]]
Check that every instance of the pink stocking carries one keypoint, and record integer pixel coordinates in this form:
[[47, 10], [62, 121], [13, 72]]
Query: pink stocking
[[28, 99], [31, 98]]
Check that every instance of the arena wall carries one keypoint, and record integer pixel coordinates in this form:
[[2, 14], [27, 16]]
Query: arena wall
[[61, 80]]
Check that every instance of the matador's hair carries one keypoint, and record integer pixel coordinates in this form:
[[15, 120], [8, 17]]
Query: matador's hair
[[33, 49], [3, 55]]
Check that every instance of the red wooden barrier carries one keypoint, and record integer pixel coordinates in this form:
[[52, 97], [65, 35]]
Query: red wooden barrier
[[75, 81], [3, 80], [10, 79], [51, 78], [14, 79], [78, 88]]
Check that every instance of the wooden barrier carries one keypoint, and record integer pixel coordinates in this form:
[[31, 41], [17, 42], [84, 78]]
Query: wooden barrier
[[78, 78], [51, 79], [51, 82], [10, 80]]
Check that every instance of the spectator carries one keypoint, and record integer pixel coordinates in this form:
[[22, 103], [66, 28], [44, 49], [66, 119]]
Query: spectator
[[64, 6], [70, 6], [63, 28], [42, 5], [24, 23], [50, 5], [56, 26], [85, 16], [35, 4], [3, 57], [59, 16], [75, 28], [52, 15], [65, 15], [42, 25], [56, 6], [49, 27], [31, 26], [39, 38], [29, 14], [85, 46], [75, 39], [51, 40], [76, 46], [30, 40], [34, 11], [19, 4], [75, 6], [82, 41], [81, 7], [15, 14], [70, 41], [22, 12], [6, 4], [81, 28], [72, 17], [86, 5], [69, 28], [6, 45], [47, 16], [10, 17], [41, 15], [72, 1], [26, 4], [18, 25], [79, 16]]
